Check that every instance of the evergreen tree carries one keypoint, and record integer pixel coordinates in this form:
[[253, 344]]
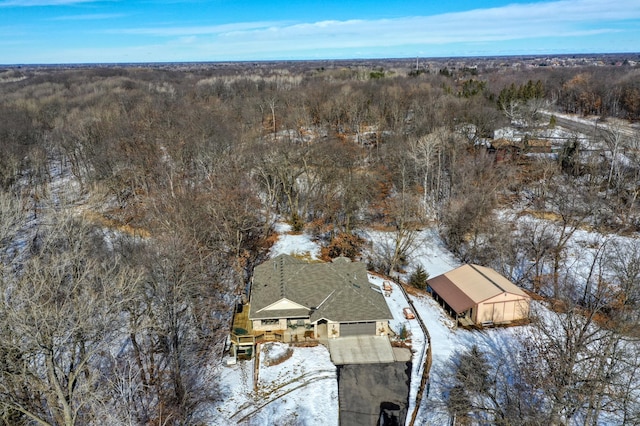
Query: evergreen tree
[[419, 278]]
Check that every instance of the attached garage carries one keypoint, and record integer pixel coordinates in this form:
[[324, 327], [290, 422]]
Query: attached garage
[[476, 294], [358, 329]]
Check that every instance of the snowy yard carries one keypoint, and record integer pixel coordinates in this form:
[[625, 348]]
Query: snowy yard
[[446, 339], [303, 390]]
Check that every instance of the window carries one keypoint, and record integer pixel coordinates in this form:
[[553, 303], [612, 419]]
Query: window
[[270, 322]]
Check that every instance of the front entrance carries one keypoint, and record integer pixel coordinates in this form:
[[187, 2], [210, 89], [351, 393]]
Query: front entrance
[[321, 329]]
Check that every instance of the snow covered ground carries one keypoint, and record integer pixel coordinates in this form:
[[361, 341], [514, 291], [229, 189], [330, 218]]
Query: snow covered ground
[[294, 244], [430, 251], [303, 390]]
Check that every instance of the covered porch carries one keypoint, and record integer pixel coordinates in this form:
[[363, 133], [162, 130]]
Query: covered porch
[[244, 337], [463, 318]]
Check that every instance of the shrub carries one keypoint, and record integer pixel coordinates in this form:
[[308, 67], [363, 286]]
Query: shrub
[[404, 333], [296, 222], [419, 278], [343, 244]]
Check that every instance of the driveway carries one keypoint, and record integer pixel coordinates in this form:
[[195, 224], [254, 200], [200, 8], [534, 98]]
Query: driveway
[[361, 350]]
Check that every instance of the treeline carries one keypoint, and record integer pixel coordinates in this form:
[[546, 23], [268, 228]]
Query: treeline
[[136, 202], [599, 91]]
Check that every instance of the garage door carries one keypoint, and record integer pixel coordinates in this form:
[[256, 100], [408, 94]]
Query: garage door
[[358, 329], [502, 312]]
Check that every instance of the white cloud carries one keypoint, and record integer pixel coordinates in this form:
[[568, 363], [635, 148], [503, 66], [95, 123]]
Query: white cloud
[[515, 28], [198, 30], [88, 17], [512, 22]]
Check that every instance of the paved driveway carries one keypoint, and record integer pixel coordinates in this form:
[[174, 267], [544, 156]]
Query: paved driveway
[[361, 350]]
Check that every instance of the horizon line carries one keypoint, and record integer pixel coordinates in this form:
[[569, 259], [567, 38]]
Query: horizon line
[[300, 60]]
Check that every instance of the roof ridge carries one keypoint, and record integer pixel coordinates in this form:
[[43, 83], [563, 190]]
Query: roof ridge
[[488, 279], [283, 292]]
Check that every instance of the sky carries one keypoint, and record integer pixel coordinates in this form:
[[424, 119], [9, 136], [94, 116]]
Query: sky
[[125, 31]]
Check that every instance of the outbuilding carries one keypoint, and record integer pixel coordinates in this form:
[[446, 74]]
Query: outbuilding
[[477, 295]]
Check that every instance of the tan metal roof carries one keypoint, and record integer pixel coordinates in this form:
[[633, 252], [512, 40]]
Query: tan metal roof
[[468, 285], [337, 291]]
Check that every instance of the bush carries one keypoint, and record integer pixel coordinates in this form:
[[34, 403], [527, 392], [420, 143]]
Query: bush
[[419, 278], [343, 244], [296, 222], [404, 333]]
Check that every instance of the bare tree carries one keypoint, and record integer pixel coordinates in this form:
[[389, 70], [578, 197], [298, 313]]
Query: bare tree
[[476, 183], [585, 359], [403, 217], [623, 260], [175, 329], [429, 154], [61, 314], [10, 218]]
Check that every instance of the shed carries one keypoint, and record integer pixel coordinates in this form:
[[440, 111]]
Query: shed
[[475, 294]]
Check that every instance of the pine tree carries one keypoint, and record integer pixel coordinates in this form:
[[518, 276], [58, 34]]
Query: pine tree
[[419, 278]]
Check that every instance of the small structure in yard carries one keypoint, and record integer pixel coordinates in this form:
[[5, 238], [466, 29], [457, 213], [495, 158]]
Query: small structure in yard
[[408, 313], [386, 286], [477, 295], [293, 301]]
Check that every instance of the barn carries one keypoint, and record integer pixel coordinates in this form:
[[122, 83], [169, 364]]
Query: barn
[[477, 295]]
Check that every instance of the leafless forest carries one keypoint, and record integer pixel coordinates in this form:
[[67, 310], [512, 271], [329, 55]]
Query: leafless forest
[[136, 200]]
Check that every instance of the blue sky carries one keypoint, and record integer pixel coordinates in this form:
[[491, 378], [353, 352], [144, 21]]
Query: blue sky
[[106, 31]]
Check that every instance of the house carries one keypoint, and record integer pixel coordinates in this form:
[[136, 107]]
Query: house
[[293, 300], [475, 294]]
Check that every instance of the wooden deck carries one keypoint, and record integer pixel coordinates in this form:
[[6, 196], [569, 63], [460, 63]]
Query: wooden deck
[[241, 320], [242, 330]]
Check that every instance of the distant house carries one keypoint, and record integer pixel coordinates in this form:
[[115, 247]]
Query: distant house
[[475, 294], [293, 300]]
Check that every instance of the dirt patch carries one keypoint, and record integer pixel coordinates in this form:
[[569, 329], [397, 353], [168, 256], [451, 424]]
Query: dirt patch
[[306, 344], [414, 291], [275, 353], [114, 224]]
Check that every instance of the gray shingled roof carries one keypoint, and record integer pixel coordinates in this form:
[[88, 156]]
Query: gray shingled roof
[[337, 291]]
